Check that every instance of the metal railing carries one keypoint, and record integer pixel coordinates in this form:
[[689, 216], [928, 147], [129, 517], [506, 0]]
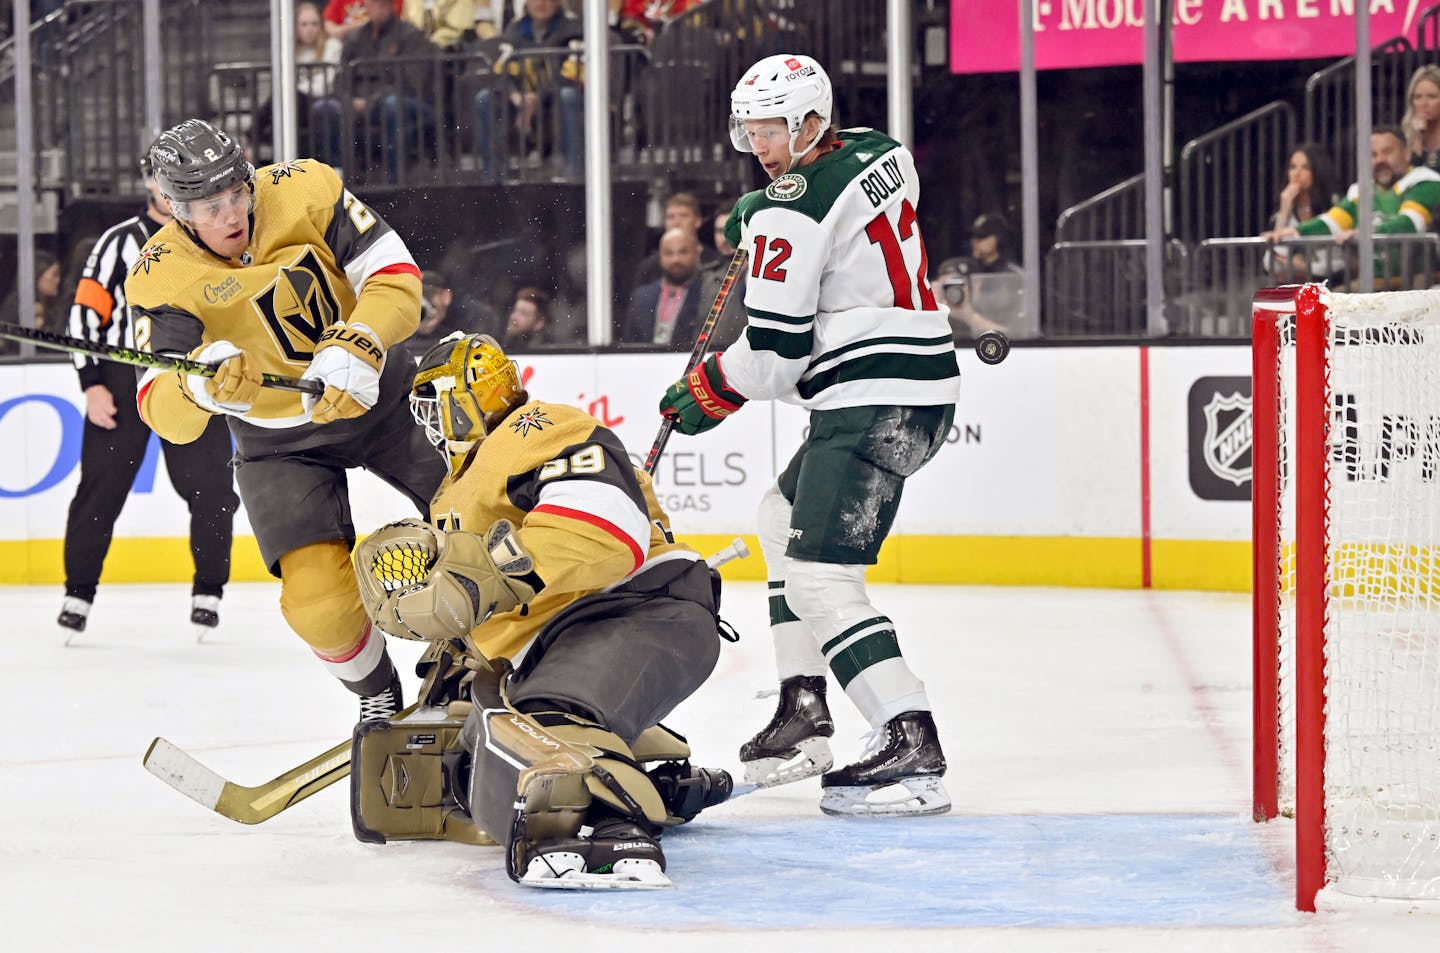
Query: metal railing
[[1116, 214], [1227, 177], [1097, 288], [1330, 100]]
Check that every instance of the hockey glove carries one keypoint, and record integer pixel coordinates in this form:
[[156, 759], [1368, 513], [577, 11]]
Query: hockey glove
[[348, 359], [701, 399], [419, 583], [235, 385]]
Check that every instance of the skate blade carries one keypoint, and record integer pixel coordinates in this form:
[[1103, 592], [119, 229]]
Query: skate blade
[[812, 756], [632, 874], [913, 797]]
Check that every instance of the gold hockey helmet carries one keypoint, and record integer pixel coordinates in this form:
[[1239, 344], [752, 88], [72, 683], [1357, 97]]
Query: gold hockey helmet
[[464, 385]]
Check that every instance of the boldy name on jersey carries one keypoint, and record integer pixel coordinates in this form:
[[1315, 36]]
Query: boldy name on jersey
[[883, 181]]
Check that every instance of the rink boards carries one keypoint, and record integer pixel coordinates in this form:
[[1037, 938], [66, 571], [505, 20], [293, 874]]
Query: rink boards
[[1117, 466]]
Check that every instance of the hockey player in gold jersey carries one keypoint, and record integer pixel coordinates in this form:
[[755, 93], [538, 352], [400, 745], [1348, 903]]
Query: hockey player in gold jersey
[[549, 565], [285, 272]]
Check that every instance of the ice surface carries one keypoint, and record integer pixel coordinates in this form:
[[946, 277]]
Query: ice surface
[[1099, 764]]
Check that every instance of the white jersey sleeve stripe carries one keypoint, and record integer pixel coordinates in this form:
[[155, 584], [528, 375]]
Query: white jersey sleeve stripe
[[389, 249], [603, 505]]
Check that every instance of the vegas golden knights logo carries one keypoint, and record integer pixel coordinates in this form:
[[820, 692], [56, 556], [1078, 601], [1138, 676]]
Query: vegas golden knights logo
[[298, 306]]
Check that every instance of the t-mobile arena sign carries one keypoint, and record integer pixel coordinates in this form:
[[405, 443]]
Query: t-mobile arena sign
[[985, 34]]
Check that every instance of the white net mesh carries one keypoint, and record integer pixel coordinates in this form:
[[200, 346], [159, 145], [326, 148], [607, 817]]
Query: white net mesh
[[1382, 619]]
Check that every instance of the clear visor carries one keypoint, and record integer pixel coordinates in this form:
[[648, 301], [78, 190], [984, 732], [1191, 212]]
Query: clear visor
[[745, 133], [218, 209]]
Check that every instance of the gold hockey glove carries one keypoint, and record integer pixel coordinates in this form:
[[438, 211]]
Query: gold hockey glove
[[235, 385], [348, 359]]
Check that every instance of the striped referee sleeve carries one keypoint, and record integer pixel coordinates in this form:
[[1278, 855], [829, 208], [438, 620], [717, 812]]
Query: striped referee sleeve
[[99, 313]]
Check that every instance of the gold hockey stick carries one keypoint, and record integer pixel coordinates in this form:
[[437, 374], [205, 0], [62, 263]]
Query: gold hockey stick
[[248, 805]]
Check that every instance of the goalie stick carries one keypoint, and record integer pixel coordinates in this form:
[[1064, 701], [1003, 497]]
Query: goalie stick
[[702, 344], [254, 805], [125, 355]]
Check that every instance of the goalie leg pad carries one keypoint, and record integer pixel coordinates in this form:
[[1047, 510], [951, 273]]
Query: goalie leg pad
[[403, 779], [538, 778]]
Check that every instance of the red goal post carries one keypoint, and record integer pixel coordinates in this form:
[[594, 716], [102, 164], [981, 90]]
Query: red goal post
[[1346, 521]]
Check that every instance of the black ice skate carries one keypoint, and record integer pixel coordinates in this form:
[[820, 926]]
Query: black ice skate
[[74, 613], [204, 614], [902, 774], [686, 790], [793, 746], [384, 705], [617, 855]]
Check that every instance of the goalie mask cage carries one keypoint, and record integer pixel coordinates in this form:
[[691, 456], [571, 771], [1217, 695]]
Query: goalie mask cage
[[1347, 585]]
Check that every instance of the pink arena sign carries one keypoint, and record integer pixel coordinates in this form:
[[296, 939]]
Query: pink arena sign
[[985, 34]]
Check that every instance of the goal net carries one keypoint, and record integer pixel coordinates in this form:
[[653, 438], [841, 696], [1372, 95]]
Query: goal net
[[1347, 585]]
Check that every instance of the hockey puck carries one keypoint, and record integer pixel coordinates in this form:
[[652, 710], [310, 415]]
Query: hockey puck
[[992, 347]]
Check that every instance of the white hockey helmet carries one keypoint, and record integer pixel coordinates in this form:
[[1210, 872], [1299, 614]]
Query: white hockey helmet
[[787, 86]]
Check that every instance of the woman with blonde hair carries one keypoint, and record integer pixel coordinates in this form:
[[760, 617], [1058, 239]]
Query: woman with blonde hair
[[1422, 117]]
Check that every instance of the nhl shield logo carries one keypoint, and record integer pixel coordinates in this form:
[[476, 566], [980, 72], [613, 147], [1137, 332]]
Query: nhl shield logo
[[1220, 427], [1229, 432]]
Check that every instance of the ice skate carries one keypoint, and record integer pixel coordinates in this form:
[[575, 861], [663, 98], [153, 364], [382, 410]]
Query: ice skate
[[617, 855], [793, 746], [204, 615], [74, 613], [899, 778], [384, 705]]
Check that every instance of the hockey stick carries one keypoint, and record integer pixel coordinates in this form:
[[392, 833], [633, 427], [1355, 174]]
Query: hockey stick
[[702, 344], [125, 355], [249, 805], [253, 805]]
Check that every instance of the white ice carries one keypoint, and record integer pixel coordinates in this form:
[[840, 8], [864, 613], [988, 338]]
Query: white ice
[[1099, 763]]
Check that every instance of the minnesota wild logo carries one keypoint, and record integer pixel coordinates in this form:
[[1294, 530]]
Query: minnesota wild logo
[[149, 255], [530, 420], [787, 188]]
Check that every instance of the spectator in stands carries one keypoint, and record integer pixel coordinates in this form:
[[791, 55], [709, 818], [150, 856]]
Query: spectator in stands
[[732, 316], [682, 210], [986, 291], [49, 309], [343, 17], [317, 59], [446, 23], [1422, 117], [1405, 201], [637, 21], [526, 328], [533, 92], [443, 312], [1310, 188], [668, 312], [385, 74]]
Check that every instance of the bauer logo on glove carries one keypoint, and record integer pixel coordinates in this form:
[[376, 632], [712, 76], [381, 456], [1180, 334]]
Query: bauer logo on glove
[[702, 398]]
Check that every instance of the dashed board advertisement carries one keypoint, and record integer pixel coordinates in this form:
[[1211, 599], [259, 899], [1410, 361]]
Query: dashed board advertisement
[[1040, 479]]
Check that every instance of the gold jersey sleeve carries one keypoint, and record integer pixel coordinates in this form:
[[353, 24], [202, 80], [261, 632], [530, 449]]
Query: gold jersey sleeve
[[588, 518], [317, 256]]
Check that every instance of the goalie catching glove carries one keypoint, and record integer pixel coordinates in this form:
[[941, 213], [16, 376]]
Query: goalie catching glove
[[235, 385], [701, 399], [419, 583], [348, 359]]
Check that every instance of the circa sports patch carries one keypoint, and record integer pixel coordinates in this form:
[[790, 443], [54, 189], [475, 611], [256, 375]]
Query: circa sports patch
[[787, 188]]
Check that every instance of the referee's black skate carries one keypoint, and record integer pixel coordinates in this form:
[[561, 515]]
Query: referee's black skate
[[204, 614], [899, 778], [74, 613], [384, 705], [793, 746]]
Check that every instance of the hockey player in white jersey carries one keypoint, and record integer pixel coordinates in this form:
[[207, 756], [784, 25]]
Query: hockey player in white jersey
[[840, 320]]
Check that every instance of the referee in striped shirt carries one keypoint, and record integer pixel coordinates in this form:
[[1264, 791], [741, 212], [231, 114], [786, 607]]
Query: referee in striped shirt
[[115, 438]]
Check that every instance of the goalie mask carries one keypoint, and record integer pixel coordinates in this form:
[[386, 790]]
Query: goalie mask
[[787, 86], [464, 386]]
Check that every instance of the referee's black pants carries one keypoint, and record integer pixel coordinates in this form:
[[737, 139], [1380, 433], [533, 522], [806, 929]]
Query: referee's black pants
[[110, 459]]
